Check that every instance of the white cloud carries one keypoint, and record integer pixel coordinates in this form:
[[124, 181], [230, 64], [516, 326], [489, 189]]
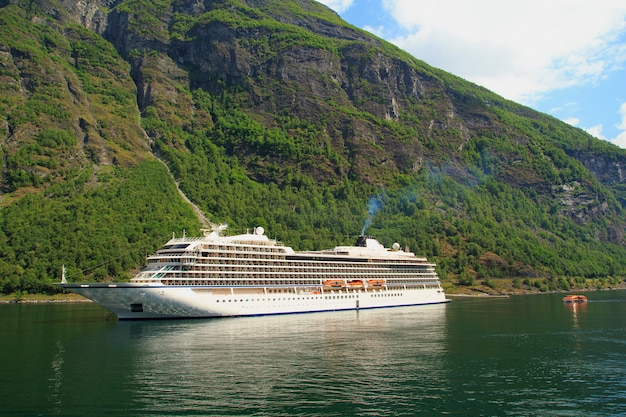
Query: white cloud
[[339, 6], [596, 131], [517, 49], [572, 121], [622, 112], [593, 130], [620, 139], [378, 31]]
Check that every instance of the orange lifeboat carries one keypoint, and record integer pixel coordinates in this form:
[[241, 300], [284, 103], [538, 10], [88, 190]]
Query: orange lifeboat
[[376, 282], [334, 284], [575, 299], [355, 283]]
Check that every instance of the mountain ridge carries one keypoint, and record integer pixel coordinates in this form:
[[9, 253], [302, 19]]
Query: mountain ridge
[[280, 114]]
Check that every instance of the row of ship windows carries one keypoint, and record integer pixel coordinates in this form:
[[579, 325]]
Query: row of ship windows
[[249, 278], [223, 248], [228, 258], [303, 268], [280, 282], [225, 255], [314, 297], [374, 292], [312, 277], [229, 249], [263, 272]]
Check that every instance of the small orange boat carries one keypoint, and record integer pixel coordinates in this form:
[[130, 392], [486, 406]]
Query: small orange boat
[[575, 299], [376, 282]]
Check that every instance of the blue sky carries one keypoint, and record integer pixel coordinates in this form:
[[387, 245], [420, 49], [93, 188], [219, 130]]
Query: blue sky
[[564, 58]]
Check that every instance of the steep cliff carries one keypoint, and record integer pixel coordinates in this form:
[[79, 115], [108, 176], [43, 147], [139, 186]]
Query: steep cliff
[[375, 105]]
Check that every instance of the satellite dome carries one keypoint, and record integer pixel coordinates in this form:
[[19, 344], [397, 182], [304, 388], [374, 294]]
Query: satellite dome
[[259, 231], [396, 246]]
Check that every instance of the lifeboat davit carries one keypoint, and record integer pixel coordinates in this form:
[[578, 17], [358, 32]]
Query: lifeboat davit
[[575, 299]]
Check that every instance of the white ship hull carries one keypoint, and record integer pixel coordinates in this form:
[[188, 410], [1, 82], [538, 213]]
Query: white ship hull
[[132, 302]]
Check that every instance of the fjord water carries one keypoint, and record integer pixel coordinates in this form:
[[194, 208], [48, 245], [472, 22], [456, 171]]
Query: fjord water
[[521, 356]]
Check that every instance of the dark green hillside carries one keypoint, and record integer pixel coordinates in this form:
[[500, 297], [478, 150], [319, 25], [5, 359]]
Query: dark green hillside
[[77, 187], [97, 230], [279, 114]]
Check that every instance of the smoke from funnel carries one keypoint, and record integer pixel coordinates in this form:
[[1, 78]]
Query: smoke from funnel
[[372, 208]]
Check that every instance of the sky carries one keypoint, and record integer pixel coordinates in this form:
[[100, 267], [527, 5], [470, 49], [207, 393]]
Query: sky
[[563, 58]]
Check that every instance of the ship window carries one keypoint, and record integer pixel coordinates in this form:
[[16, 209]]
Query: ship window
[[136, 308]]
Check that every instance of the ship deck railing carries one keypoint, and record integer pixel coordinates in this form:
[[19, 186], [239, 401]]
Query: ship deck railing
[[158, 274]]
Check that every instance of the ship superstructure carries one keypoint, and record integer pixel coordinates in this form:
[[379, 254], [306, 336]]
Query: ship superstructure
[[250, 274]]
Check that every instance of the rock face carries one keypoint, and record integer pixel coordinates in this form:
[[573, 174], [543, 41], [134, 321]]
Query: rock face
[[608, 170], [354, 71], [89, 14], [379, 112]]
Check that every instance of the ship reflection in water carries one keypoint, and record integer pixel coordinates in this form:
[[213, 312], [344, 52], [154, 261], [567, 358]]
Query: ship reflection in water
[[241, 365]]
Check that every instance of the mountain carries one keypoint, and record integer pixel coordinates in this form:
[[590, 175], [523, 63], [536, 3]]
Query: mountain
[[279, 114]]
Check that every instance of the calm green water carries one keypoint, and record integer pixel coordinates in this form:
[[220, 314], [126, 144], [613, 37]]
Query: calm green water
[[522, 356]]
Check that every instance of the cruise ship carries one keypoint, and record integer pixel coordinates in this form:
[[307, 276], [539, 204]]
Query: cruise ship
[[250, 275]]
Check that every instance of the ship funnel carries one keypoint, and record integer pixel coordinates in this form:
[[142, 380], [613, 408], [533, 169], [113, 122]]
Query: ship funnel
[[368, 242]]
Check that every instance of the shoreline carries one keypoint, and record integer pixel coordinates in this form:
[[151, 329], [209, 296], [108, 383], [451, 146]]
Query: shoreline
[[43, 298]]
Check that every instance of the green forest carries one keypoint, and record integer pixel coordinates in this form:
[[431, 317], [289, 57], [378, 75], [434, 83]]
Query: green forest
[[97, 232], [97, 135]]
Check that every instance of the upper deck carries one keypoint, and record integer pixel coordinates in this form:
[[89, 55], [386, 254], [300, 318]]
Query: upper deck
[[258, 246]]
